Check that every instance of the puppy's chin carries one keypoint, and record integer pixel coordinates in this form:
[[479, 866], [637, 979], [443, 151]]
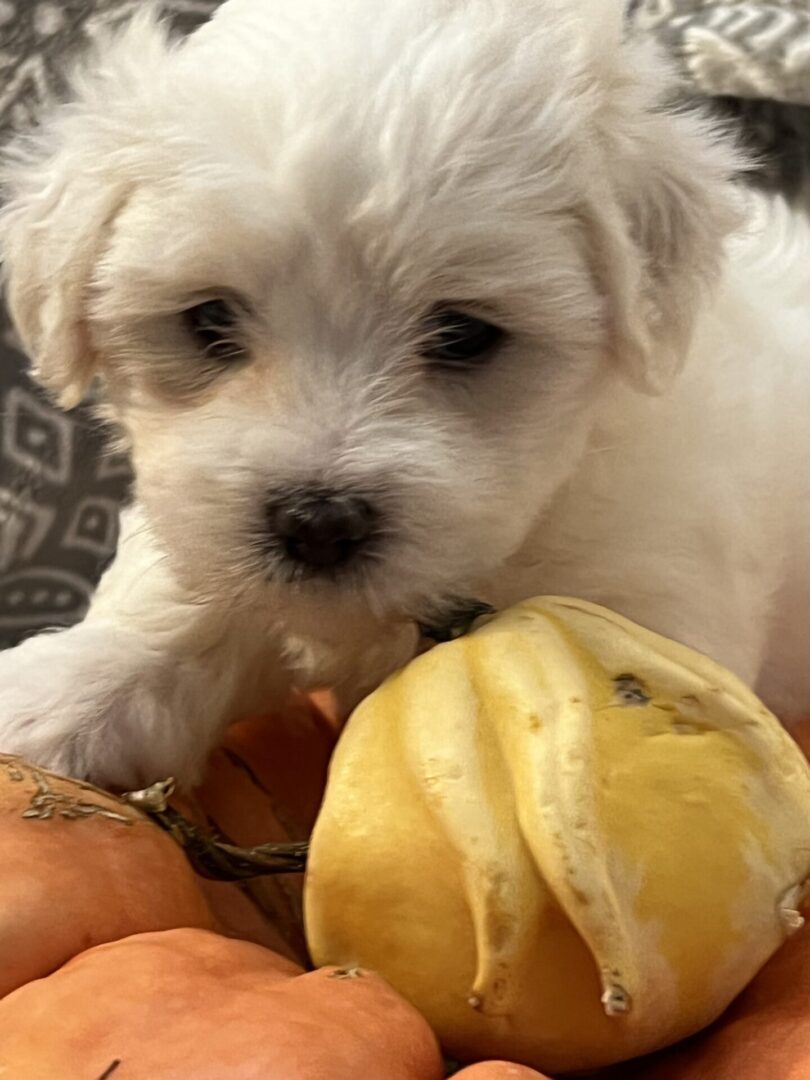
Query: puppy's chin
[[371, 590]]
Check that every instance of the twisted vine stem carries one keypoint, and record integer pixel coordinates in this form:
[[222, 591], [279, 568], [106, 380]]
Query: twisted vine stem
[[213, 858]]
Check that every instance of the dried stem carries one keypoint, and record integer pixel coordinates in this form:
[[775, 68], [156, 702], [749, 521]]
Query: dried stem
[[212, 858]]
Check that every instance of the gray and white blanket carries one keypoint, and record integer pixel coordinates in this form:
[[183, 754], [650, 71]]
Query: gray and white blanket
[[751, 59], [744, 48], [59, 495]]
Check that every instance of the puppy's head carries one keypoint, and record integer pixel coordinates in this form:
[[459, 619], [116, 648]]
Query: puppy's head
[[355, 277]]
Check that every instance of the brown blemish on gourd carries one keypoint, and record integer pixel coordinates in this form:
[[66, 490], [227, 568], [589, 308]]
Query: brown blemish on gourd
[[630, 690]]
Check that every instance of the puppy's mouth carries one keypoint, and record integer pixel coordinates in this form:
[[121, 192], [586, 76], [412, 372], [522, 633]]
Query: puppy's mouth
[[443, 617], [304, 567]]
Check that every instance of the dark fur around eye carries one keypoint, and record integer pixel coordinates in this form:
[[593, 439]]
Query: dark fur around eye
[[214, 325], [457, 340]]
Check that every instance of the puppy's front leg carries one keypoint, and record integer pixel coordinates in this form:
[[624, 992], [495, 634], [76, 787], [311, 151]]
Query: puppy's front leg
[[143, 687]]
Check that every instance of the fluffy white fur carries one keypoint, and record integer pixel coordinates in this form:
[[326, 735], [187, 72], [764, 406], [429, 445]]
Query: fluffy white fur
[[342, 168]]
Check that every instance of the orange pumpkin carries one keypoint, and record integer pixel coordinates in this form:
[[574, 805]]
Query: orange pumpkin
[[191, 1004], [498, 1070], [265, 786], [80, 868]]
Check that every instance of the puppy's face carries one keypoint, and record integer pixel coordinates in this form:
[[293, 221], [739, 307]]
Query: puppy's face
[[355, 290], [355, 394]]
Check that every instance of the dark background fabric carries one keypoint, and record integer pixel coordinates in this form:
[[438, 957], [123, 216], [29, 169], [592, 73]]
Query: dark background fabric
[[60, 492]]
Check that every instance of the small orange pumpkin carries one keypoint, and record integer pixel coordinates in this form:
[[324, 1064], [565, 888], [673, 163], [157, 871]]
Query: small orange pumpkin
[[498, 1070], [264, 786], [80, 868], [189, 1003]]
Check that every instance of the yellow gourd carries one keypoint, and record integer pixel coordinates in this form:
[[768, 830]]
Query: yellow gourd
[[565, 839]]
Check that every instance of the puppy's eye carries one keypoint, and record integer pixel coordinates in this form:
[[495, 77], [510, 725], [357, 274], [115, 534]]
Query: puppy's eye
[[214, 326], [458, 340]]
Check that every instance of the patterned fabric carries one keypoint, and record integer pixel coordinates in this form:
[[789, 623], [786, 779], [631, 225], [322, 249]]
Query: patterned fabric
[[59, 500], [752, 58], [36, 39], [59, 493], [744, 49]]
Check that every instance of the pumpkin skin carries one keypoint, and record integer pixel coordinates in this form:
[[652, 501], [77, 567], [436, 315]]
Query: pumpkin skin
[[265, 785], [80, 868], [567, 864], [498, 1070], [189, 1003]]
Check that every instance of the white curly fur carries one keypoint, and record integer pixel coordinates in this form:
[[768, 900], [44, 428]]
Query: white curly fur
[[342, 168]]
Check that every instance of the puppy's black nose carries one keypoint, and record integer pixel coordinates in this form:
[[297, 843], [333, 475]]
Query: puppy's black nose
[[321, 528]]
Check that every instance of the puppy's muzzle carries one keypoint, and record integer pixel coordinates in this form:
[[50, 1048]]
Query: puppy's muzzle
[[321, 529]]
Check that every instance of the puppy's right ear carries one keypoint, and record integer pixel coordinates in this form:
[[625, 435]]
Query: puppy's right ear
[[63, 187], [661, 203]]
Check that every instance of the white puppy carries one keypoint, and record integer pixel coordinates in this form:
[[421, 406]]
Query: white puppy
[[389, 301]]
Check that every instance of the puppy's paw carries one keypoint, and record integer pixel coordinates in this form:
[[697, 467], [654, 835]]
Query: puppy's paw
[[86, 703]]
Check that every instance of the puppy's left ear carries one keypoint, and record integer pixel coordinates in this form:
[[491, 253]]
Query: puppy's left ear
[[51, 241], [63, 187], [660, 210]]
